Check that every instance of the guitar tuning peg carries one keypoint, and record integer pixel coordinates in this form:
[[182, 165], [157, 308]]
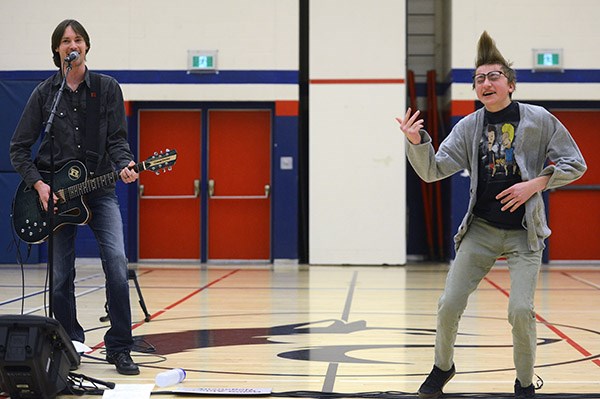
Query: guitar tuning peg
[[157, 173], [168, 150], [170, 168], [155, 153]]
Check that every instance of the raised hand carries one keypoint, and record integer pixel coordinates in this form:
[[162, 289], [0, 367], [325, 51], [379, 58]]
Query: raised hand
[[410, 126]]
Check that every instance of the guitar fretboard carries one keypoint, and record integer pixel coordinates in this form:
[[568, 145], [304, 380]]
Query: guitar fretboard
[[86, 187]]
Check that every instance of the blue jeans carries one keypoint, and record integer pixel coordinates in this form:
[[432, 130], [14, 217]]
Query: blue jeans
[[107, 226]]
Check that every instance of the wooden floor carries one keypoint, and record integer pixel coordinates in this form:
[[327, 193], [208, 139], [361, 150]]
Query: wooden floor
[[328, 329]]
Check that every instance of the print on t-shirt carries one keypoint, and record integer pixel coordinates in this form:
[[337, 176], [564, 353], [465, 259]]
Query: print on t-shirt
[[498, 169], [498, 150]]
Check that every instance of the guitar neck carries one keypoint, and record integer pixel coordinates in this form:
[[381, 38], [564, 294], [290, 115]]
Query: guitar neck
[[87, 186], [155, 163]]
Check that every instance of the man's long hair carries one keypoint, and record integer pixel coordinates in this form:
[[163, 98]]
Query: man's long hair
[[58, 34], [488, 53]]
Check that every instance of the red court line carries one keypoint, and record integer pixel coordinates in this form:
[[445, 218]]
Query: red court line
[[553, 328], [171, 306]]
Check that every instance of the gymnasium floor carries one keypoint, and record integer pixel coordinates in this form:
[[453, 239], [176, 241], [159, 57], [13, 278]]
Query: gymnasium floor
[[297, 330]]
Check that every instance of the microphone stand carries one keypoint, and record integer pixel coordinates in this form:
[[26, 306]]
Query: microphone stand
[[48, 130]]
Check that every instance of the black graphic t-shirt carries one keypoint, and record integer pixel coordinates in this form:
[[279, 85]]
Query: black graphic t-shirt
[[498, 169]]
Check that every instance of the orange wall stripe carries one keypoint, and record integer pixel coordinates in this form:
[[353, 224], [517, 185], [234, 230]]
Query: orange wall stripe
[[127, 108], [357, 81], [286, 108], [462, 107]]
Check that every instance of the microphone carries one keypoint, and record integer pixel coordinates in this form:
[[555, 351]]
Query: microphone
[[73, 55]]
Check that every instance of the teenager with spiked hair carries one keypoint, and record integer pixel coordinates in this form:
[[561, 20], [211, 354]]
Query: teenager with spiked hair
[[506, 216]]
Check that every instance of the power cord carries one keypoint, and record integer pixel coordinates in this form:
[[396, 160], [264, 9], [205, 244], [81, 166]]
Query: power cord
[[21, 263]]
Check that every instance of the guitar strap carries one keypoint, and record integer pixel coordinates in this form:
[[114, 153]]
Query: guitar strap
[[93, 152]]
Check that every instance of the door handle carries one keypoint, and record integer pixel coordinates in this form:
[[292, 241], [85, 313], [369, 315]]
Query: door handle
[[197, 188], [211, 188], [211, 193], [195, 195]]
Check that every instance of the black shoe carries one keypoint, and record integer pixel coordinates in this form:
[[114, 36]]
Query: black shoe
[[524, 393], [433, 385], [75, 366], [123, 363]]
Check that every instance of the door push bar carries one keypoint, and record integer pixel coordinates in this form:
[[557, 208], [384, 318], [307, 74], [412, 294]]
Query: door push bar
[[211, 193], [195, 195]]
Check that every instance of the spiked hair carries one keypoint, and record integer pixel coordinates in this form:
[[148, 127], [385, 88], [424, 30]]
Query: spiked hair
[[488, 53]]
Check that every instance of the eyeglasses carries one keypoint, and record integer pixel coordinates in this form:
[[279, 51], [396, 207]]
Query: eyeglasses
[[492, 76]]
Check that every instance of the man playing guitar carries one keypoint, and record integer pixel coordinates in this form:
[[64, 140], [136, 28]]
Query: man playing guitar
[[90, 126]]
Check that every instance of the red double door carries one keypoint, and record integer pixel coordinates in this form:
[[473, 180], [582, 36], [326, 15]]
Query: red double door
[[234, 195], [574, 210]]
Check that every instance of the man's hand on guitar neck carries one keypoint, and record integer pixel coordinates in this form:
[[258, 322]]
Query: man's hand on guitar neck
[[128, 174], [43, 191]]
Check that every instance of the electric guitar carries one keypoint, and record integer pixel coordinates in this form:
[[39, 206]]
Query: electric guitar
[[71, 183]]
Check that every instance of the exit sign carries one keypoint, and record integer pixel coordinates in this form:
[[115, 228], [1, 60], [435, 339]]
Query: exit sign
[[548, 60], [202, 60]]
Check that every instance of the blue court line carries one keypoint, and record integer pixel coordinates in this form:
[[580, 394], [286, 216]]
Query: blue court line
[[40, 292], [331, 374]]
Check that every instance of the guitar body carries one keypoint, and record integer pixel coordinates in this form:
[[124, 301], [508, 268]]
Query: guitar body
[[31, 222], [71, 183]]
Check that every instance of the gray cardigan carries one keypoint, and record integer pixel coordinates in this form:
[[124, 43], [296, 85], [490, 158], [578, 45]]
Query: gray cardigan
[[539, 137]]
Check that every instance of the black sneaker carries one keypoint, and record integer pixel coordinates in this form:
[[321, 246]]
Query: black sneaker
[[75, 366], [433, 385], [123, 363], [524, 393]]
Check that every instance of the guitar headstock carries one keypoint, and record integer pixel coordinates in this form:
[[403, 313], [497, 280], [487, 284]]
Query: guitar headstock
[[160, 162]]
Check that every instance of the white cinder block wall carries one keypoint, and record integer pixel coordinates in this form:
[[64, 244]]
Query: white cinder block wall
[[154, 35], [357, 162], [520, 26]]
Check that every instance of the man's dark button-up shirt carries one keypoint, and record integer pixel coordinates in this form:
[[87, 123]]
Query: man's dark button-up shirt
[[69, 127]]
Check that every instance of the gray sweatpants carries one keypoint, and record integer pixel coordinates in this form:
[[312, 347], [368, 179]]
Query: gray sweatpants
[[478, 251]]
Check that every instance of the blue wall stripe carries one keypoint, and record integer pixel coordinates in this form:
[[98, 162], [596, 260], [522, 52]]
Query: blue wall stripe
[[175, 76], [528, 76], [288, 76]]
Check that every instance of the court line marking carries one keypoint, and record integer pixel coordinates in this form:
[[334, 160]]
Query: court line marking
[[551, 327], [45, 290], [174, 304], [581, 280], [331, 373]]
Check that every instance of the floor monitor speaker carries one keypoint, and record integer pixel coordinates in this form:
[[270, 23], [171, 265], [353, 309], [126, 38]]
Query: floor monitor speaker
[[36, 355]]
